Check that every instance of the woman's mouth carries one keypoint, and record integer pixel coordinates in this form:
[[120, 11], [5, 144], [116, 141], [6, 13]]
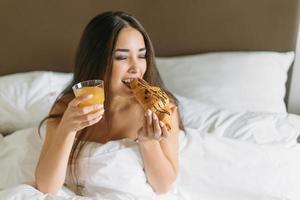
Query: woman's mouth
[[127, 82]]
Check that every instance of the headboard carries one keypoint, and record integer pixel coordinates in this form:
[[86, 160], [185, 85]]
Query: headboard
[[43, 35]]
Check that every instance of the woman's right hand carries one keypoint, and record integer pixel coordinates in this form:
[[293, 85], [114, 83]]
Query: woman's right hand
[[76, 118]]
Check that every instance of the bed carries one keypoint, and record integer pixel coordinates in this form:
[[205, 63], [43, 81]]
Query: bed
[[231, 64]]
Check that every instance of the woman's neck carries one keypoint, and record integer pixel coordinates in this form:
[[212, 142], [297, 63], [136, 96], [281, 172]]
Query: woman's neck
[[119, 104]]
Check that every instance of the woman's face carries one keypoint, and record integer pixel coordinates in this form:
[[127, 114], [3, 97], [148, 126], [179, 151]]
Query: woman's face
[[129, 60]]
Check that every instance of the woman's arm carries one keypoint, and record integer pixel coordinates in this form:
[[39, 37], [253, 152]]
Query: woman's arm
[[160, 157], [60, 135], [51, 169]]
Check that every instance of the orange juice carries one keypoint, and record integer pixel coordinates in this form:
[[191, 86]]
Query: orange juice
[[97, 92]]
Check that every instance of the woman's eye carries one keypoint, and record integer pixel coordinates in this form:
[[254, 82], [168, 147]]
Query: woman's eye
[[120, 57], [142, 56]]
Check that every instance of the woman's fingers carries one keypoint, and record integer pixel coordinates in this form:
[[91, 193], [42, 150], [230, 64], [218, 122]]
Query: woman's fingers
[[90, 116], [149, 126], [165, 132], [76, 101], [89, 123], [87, 109], [156, 128], [153, 128], [76, 117]]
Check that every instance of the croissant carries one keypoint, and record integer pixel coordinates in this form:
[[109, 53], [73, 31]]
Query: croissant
[[152, 98]]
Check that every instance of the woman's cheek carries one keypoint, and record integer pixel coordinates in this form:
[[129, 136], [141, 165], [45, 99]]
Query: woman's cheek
[[144, 67]]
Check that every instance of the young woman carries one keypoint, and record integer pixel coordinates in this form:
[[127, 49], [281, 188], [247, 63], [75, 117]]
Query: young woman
[[114, 47]]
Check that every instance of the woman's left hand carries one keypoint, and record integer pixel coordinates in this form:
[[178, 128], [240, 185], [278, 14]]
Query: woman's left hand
[[153, 128]]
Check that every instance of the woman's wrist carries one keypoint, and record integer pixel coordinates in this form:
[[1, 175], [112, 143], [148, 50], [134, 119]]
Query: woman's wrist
[[148, 144], [65, 134]]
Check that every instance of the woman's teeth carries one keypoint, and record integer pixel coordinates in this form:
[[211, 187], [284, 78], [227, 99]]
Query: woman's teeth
[[127, 81]]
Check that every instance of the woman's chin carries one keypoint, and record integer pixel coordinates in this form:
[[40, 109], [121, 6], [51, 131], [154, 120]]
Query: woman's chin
[[126, 90]]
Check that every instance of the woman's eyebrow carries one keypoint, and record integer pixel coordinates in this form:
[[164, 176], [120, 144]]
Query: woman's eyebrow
[[122, 50], [127, 50]]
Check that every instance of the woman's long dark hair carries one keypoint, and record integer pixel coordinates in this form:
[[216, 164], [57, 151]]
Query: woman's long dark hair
[[94, 61]]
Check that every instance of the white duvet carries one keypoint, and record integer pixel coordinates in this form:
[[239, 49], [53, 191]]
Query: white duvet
[[223, 155]]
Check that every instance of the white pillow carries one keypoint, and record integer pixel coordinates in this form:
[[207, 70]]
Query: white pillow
[[253, 127], [25, 98], [239, 81]]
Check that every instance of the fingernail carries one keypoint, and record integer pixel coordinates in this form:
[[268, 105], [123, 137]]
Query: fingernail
[[154, 116]]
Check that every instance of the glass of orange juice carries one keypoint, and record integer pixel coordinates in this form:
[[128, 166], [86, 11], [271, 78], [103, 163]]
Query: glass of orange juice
[[94, 87]]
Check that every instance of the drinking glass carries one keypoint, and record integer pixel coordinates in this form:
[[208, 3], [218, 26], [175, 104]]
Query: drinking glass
[[94, 87]]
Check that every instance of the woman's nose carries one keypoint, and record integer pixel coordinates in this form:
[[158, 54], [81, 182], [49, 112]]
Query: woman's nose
[[133, 68]]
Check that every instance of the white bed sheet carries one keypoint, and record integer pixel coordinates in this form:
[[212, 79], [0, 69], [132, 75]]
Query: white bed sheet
[[213, 166], [225, 155]]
